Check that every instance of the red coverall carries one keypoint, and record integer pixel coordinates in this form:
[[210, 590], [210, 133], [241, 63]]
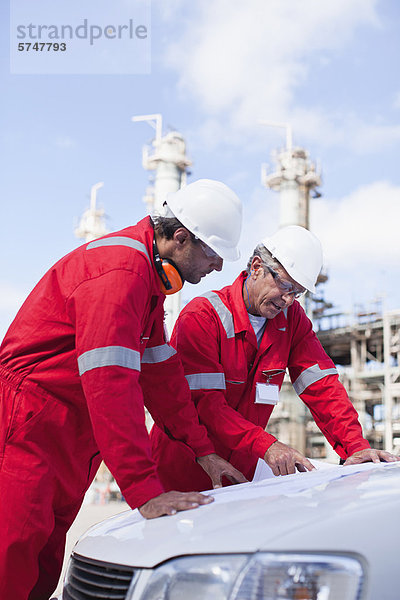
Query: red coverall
[[218, 349], [84, 354]]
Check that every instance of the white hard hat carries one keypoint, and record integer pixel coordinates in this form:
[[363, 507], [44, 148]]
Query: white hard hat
[[300, 253], [212, 212]]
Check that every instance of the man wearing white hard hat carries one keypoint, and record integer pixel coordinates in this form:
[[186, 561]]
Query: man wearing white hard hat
[[236, 344], [83, 357]]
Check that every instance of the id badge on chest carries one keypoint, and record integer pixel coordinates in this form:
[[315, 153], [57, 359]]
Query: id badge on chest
[[267, 393]]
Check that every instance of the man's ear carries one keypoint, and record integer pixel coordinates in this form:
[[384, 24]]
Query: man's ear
[[181, 235], [256, 264]]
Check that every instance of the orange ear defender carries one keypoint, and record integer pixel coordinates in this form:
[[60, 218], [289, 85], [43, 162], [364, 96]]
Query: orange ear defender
[[171, 280]]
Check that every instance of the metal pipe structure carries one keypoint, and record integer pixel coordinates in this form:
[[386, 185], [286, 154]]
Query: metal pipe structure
[[92, 224], [294, 178], [387, 397], [167, 157]]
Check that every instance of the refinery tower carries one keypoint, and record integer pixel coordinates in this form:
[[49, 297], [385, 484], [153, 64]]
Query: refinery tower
[[166, 157]]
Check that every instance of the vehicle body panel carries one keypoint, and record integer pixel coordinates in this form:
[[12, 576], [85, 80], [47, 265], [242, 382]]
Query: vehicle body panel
[[349, 510]]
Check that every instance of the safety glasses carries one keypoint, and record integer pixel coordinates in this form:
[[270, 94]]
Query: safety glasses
[[209, 252], [286, 286]]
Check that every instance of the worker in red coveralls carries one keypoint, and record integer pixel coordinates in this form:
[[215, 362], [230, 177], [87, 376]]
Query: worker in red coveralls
[[84, 355], [236, 344]]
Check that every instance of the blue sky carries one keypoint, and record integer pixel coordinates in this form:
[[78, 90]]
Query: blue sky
[[329, 68]]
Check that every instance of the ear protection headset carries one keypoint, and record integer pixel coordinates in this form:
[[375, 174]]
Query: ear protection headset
[[171, 279]]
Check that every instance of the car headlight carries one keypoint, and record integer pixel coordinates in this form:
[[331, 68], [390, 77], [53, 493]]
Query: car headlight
[[262, 576], [195, 577], [270, 576]]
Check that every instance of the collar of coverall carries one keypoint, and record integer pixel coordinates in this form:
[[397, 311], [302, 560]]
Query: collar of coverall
[[238, 308]]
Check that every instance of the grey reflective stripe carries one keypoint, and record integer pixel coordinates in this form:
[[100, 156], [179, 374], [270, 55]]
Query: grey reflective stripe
[[109, 356], [223, 312], [206, 381], [158, 354], [285, 312], [311, 375], [119, 240]]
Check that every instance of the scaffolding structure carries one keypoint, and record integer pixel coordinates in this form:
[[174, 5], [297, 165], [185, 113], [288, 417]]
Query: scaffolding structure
[[367, 355]]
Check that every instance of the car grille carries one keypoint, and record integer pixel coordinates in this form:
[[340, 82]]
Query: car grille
[[89, 579]]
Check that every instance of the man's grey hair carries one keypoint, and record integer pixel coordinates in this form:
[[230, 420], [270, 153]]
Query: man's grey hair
[[267, 260]]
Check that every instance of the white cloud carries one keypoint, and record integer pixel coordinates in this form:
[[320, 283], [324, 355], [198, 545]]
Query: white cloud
[[362, 229], [367, 138], [245, 61], [345, 130], [65, 142], [168, 10]]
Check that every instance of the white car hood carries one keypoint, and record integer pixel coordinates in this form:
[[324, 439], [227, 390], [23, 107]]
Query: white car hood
[[336, 510]]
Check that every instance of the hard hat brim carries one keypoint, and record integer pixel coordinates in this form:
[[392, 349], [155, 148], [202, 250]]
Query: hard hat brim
[[229, 253]]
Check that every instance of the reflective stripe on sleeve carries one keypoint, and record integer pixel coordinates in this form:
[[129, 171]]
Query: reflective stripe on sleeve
[[223, 312], [206, 381], [311, 375], [158, 354], [119, 240], [109, 356]]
